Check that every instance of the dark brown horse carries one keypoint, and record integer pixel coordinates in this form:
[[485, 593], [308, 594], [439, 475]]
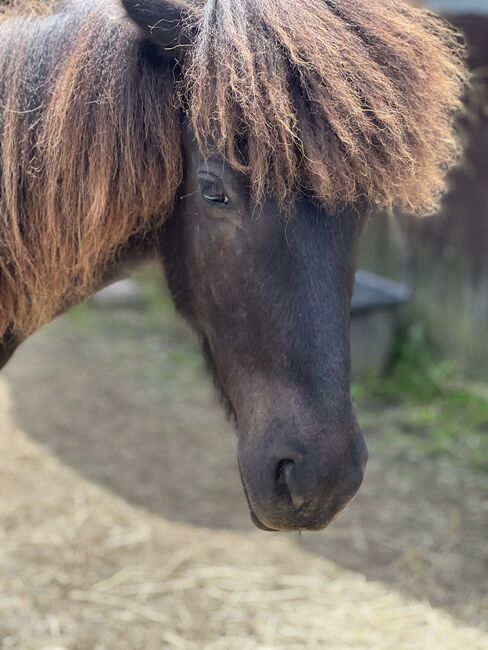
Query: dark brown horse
[[245, 141]]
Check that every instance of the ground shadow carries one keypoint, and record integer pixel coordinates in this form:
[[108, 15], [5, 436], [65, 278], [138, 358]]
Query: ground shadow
[[123, 399]]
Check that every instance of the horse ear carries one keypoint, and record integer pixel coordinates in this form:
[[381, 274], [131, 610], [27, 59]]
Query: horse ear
[[160, 20]]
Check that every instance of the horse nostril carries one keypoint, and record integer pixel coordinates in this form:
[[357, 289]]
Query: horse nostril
[[280, 470], [285, 477]]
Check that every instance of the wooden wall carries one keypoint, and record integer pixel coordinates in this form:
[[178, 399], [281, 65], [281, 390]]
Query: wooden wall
[[445, 258]]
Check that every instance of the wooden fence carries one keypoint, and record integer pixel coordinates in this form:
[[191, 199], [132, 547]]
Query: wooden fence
[[445, 258]]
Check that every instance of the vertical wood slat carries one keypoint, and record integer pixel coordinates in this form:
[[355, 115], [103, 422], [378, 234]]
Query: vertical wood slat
[[445, 258]]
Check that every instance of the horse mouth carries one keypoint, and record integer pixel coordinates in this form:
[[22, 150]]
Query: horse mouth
[[254, 517], [256, 521]]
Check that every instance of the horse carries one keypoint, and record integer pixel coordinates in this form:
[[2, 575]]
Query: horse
[[247, 143]]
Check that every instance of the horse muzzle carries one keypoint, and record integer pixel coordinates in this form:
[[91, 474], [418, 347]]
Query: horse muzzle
[[294, 486]]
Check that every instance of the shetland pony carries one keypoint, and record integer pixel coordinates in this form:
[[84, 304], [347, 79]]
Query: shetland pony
[[245, 141]]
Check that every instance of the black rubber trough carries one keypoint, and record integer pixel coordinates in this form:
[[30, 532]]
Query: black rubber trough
[[375, 304]]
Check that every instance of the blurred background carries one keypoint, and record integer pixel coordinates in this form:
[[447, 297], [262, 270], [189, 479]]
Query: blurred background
[[445, 258], [122, 519]]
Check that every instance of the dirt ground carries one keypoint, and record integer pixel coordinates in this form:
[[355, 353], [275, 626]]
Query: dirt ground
[[123, 525]]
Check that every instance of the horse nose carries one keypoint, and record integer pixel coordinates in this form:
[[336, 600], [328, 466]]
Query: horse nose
[[296, 482], [302, 487], [311, 489], [312, 482], [301, 482]]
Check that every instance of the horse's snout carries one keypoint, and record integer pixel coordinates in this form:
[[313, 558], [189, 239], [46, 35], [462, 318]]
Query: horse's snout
[[302, 489]]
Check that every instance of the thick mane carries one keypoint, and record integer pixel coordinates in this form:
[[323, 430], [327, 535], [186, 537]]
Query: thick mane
[[90, 156], [33, 7], [346, 100]]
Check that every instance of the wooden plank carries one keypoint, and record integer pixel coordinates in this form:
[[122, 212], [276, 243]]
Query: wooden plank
[[445, 258]]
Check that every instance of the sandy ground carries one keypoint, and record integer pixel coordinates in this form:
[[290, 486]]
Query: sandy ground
[[123, 525]]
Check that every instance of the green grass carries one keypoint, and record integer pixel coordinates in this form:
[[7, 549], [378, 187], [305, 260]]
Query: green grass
[[415, 373], [440, 412]]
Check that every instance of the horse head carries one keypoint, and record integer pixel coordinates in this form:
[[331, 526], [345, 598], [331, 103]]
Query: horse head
[[267, 285], [295, 118]]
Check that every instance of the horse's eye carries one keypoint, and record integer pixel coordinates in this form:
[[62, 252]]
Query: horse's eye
[[212, 193]]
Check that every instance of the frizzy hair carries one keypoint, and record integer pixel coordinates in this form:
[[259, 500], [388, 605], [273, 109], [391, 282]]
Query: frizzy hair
[[90, 157], [346, 100]]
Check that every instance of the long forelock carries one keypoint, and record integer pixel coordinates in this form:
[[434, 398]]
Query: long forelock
[[351, 100]]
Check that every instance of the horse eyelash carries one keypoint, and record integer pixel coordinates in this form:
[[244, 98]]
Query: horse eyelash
[[210, 188]]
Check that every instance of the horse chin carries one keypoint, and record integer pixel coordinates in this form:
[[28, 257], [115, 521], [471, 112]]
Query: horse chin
[[254, 516], [258, 524]]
